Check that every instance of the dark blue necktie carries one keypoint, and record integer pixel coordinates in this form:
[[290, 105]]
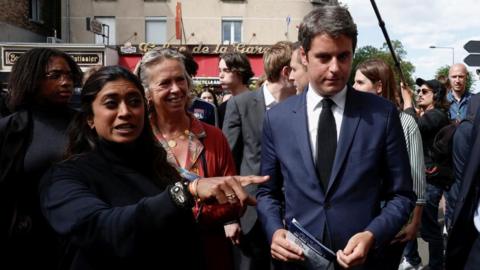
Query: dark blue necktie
[[326, 142]]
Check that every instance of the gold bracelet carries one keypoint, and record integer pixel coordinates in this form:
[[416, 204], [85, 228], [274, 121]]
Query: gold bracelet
[[193, 188], [190, 187]]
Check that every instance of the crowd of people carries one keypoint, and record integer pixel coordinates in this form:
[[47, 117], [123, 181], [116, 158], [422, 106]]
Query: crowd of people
[[135, 172]]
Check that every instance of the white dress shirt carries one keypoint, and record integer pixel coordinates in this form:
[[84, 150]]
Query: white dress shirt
[[269, 99], [314, 108], [476, 217]]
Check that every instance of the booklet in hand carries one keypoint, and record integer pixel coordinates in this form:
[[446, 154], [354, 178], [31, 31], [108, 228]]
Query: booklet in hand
[[317, 255]]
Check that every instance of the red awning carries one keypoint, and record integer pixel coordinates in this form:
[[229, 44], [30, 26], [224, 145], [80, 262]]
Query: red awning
[[129, 61], [207, 64]]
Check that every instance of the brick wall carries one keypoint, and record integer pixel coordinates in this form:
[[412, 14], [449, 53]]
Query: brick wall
[[17, 13]]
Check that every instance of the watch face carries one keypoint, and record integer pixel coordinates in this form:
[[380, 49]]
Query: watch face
[[179, 194]]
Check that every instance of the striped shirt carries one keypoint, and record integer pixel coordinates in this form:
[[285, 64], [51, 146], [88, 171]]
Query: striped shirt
[[413, 139]]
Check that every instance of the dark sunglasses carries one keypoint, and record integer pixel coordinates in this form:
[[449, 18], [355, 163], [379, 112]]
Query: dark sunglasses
[[423, 91]]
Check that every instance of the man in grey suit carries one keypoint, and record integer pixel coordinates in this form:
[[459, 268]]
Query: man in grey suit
[[243, 129]]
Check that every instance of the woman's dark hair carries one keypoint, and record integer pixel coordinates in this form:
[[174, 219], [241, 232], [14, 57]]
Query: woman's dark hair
[[238, 63], [215, 101], [440, 98], [377, 70], [83, 139], [29, 70]]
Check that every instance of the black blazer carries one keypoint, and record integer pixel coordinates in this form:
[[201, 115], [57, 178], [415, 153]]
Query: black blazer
[[114, 217]]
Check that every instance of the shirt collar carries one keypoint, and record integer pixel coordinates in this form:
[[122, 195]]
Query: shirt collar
[[314, 99], [451, 98], [269, 99]]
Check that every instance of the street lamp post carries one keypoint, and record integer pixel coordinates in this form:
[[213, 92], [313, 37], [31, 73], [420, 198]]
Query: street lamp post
[[441, 47]]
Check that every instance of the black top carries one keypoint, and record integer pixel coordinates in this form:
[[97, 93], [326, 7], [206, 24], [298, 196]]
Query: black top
[[429, 124], [41, 140], [114, 216], [48, 140], [4, 111]]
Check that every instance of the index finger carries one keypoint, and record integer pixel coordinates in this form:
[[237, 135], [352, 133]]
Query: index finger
[[252, 179]]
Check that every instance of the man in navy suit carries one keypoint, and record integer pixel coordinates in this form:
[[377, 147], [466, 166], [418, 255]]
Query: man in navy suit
[[463, 246], [243, 130], [333, 181]]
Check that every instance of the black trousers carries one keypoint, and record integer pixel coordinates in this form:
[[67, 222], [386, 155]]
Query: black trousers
[[473, 261], [254, 251]]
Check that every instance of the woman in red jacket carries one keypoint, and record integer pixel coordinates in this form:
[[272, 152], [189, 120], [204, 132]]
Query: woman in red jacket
[[194, 148]]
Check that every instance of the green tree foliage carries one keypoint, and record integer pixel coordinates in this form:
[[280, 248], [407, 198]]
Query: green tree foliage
[[443, 71], [369, 52]]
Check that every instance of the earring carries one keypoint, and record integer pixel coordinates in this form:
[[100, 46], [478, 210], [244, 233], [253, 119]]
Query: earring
[[90, 124]]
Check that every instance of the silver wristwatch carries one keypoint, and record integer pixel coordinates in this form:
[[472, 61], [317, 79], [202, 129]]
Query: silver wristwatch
[[180, 195]]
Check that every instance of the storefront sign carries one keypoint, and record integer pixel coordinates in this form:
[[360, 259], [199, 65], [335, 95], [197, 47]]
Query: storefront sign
[[82, 58], [10, 57], [206, 81], [94, 25], [197, 49], [87, 58], [128, 49]]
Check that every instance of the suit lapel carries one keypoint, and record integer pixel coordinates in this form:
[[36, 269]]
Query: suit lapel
[[300, 125], [351, 117]]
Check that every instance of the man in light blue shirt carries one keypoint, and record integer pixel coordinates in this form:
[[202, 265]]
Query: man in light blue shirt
[[458, 97]]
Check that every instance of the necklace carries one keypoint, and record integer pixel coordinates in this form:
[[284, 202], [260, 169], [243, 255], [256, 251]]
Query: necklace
[[172, 142]]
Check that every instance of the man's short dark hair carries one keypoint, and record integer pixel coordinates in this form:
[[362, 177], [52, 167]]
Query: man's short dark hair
[[238, 63], [333, 20]]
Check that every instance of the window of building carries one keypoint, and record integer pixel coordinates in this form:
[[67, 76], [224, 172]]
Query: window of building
[[231, 30], [109, 30], [156, 29], [36, 10], [324, 2]]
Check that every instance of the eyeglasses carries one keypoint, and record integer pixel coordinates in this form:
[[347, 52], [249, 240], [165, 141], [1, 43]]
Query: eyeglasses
[[423, 91], [57, 74]]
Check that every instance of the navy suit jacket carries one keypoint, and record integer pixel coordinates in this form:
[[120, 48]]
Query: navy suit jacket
[[466, 157], [371, 165]]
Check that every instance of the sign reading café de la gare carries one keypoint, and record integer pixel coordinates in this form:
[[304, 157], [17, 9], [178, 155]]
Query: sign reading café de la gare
[[196, 48]]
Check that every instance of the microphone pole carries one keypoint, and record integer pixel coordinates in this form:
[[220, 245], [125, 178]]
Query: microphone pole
[[396, 59]]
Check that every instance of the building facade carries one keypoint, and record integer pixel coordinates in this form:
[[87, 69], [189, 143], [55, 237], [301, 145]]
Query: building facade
[[202, 21], [206, 28], [30, 20]]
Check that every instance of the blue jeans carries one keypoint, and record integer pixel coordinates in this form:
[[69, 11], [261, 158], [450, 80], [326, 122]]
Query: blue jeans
[[430, 231], [411, 253]]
